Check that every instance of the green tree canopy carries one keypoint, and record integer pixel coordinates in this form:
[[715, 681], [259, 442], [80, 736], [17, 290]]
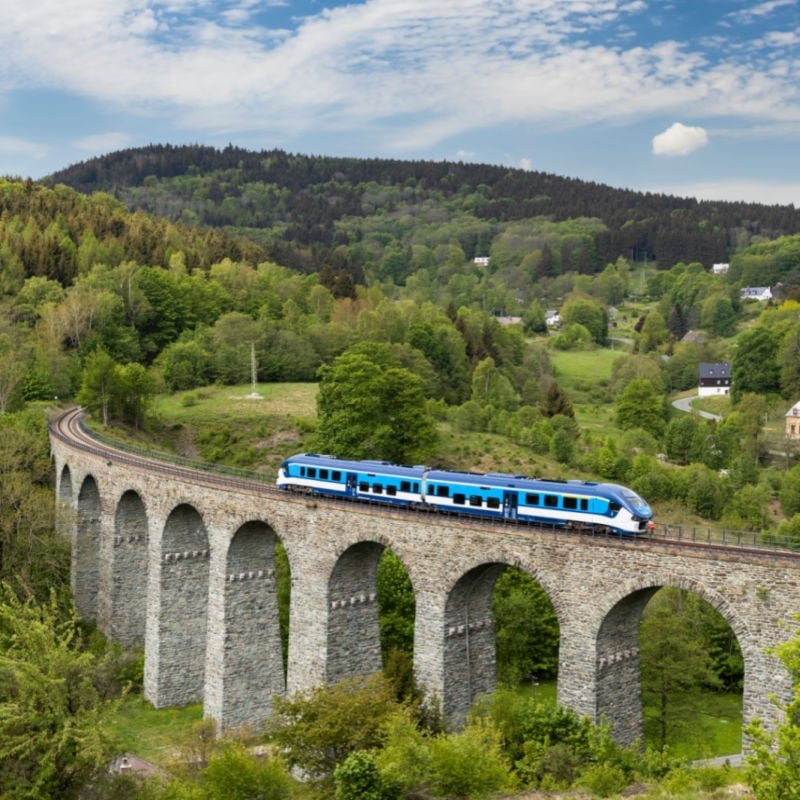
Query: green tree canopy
[[589, 313], [366, 411], [53, 719], [755, 366], [641, 406]]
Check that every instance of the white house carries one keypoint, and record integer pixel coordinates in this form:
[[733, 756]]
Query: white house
[[719, 269], [755, 293], [715, 379], [481, 261], [552, 319]]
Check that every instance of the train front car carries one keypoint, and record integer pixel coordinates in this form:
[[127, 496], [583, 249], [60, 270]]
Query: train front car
[[632, 514]]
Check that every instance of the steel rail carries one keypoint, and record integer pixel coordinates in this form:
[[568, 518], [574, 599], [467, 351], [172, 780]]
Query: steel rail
[[69, 428]]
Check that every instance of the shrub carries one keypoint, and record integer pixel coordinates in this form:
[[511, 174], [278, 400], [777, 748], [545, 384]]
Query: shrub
[[358, 778], [603, 780], [469, 764], [319, 729]]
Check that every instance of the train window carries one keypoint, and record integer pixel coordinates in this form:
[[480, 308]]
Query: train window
[[363, 486], [614, 507], [584, 504], [492, 502], [459, 499], [392, 490], [532, 499], [303, 471], [570, 502], [312, 472], [405, 486], [443, 491], [475, 500], [336, 475], [551, 500], [416, 487], [377, 488], [323, 473], [431, 489]]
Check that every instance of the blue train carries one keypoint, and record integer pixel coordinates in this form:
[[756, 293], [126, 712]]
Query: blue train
[[575, 504]]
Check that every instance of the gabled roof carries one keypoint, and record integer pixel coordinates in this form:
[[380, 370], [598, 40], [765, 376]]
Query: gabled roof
[[721, 370]]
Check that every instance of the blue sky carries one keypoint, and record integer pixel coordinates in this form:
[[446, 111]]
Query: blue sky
[[694, 97]]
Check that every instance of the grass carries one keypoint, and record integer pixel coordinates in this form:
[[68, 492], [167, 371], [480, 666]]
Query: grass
[[714, 727], [221, 424], [581, 366], [152, 734], [288, 400]]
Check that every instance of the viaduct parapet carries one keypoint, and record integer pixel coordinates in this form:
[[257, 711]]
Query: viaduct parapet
[[182, 561]]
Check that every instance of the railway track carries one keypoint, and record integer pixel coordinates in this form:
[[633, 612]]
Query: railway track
[[69, 428]]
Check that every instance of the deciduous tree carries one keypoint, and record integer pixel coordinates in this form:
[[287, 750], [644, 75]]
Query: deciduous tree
[[366, 411], [53, 720]]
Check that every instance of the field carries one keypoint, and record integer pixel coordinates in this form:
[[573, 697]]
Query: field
[[153, 734]]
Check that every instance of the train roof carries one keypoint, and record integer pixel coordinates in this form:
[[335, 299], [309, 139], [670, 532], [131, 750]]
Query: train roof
[[502, 480], [382, 467]]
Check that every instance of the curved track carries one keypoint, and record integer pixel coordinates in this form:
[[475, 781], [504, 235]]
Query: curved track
[[68, 427]]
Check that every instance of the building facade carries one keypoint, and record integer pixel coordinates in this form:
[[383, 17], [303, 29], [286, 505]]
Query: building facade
[[715, 379]]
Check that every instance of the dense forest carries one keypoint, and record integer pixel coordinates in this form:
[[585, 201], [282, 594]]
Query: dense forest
[[344, 213]]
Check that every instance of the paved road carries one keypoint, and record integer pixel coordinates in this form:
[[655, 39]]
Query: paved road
[[685, 404]]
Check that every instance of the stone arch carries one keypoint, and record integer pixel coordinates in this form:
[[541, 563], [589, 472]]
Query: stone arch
[[86, 549], [253, 659], [182, 620], [469, 646], [65, 511], [127, 600], [65, 486], [617, 668], [354, 642]]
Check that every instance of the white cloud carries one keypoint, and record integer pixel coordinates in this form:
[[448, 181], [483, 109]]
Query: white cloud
[[21, 147], [526, 163], [759, 10], [102, 142], [428, 71], [679, 140], [465, 155]]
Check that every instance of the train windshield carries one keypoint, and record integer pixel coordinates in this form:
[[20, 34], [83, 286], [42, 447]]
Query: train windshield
[[637, 503]]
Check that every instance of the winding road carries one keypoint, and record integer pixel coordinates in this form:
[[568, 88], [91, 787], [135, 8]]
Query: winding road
[[685, 404]]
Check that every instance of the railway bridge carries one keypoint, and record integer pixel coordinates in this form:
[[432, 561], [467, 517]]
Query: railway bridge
[[182, 561]]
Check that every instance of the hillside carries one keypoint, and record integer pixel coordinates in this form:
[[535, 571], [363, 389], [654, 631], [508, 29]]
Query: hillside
[[349, 213]]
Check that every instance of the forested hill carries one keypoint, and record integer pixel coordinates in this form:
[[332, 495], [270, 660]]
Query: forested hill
[[329, 204], [59, 233]]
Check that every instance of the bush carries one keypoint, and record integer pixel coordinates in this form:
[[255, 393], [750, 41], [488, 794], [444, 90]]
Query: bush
[[469, 764], [319, 729], [358, 778], [549, 767], [603, 780]]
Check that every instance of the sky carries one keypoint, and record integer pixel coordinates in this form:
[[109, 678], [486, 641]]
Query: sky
[[690, 97]]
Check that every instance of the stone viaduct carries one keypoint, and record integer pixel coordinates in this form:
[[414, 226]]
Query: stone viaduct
[[182, 561]]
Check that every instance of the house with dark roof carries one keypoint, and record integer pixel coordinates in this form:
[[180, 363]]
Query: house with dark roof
[[715, 379]]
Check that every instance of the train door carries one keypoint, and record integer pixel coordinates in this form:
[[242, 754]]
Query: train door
[[351, 485], [510, 505]]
